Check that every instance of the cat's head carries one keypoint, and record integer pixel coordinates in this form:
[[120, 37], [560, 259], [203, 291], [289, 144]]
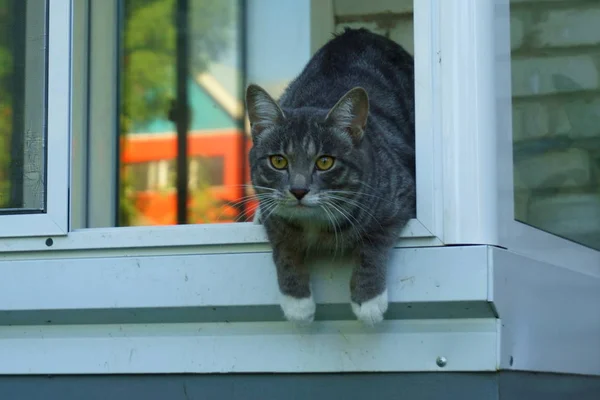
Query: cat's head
[[307, 163]]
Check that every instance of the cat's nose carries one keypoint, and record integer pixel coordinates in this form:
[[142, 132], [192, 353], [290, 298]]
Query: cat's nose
[[299, 193]]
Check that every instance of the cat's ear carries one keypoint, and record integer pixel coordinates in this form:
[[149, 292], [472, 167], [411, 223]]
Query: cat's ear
[[350, 113], [263, 111]]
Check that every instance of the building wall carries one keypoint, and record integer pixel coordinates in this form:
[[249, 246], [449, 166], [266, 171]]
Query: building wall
[[556, 104]]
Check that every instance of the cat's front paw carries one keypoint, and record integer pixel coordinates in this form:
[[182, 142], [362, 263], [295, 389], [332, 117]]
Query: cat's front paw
[[371, 311], [300, 311]]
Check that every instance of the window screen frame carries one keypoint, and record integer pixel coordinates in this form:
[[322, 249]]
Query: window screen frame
[[54, 220]]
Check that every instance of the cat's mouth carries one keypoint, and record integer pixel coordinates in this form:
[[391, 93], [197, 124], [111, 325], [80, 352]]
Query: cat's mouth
[[304, 204], [299, 208], [301, 204]]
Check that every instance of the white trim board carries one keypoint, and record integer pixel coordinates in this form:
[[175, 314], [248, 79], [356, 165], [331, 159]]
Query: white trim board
[[227, 280], [468, 345], [546, 319], [550, 315], [123, 287]]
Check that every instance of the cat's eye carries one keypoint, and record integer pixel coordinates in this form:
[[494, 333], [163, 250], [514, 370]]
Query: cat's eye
[[278, 162], [324, 163]]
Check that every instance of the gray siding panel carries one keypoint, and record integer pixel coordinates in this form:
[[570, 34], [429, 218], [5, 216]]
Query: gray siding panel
[[411, 386], [415, 386]]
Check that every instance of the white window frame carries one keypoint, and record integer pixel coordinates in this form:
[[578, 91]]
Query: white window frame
[[477, 118], [425, 230], [54, 221]]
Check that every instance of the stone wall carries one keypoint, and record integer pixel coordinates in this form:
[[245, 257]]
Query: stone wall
[[556, 104]]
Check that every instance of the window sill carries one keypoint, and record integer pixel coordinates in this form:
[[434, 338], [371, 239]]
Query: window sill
[[219, 313], [166, 240]]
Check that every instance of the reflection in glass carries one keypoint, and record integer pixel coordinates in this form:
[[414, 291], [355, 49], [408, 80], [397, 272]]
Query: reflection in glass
[[22, 87], [556, 117], [230, 44], [149, 111], [218, 68]]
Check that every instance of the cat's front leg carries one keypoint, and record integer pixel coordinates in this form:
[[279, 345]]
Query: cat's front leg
[[368, 288], [293, 278]]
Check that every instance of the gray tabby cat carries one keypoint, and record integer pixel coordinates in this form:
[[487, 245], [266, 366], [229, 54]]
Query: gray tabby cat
[[333, 167]]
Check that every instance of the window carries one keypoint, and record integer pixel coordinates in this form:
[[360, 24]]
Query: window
[[485, 88], [556, 118], [229, 44], [172, 60], [148, 191], [22, 107], [544, 76], [128, 139]]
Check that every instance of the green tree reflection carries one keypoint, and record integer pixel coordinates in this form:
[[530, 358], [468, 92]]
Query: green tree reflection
[[149, 71], [6, 106]]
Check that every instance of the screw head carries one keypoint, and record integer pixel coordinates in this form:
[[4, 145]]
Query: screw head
[[441, 361]]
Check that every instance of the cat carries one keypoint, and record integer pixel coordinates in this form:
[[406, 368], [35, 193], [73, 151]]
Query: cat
[[333, 167]]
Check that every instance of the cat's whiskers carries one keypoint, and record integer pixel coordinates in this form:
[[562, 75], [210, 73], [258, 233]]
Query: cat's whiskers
[[270, 208], [255, 195], [334, 224], [356, 204], [354, 225], [267, 208], [242, 201], [247, 213], [247, 199]]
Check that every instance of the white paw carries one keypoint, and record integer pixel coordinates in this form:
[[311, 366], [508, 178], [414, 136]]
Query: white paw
[[371, 311], [300, 311]]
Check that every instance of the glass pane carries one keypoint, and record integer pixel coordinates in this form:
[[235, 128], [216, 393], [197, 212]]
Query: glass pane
[[556, 117], [152, 68], [227, 44], [22, 105]]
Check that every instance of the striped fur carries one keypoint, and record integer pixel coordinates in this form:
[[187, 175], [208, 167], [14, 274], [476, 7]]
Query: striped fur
[[353, 101]]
